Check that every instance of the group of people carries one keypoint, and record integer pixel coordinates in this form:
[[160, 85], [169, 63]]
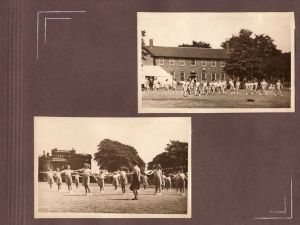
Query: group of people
[[205, 87], [221, 87], [119, 178]]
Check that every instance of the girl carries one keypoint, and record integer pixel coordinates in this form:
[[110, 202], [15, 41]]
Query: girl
[[145, 181], [157, 179], [86, 173], [58, 179], [68, 177], [204, 88], [76, 179], [168, 182], [123, 180], [264, 86], [136, 179], [166, 85], [185, 88], [181, 182], [231, 83], [174, 85], [50, 179], [100, 180], [237, 86], [197, 87], [155, 84], [255, 86], [115, 178], [278, 88]]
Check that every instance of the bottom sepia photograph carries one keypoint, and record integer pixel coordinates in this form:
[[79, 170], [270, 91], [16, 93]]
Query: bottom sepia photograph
[[127, 167]]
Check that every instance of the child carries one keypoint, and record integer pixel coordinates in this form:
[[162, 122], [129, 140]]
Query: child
[[157, 179], [86, 173], [264, 86], [123, 180], [76, 179], [231, 84], [174, 85], [155, 84], [247, 87], [145, 181], [147, 84], [237, 86], [181, 182], [58, 179], [100, 179], [115, 178], [168, 182], [185, 88], [204, 88], [68, 177], [278, 88], [50, 175], [136, 179], [163, 181], [255, 86], [197, 86], [166, 85]]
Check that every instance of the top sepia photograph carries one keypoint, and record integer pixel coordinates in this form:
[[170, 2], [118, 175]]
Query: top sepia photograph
[[216, 62]]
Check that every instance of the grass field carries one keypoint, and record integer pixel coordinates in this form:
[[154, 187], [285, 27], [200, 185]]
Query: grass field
[[161, 99], [111, 201]]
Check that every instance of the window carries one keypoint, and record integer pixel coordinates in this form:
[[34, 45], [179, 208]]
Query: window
[[222, 64], [213, 63], [203, 63], [171, 62], [213, 76], [223, 76], [182, 62], [181, 76], [172, 73], [161, 62], [203, 76], [193, 62]]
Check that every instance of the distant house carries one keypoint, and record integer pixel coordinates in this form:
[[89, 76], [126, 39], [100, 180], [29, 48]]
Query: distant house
[[60, 159], [188, 62]]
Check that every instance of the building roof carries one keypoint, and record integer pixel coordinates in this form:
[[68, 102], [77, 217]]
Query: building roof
[[187, 52], [156, 71]]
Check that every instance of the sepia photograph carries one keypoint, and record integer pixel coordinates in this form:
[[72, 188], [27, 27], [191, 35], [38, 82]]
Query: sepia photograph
[[112, 167], [215, 62]]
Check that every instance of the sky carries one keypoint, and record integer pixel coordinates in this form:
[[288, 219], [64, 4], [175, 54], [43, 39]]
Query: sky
[[172, 29], [149, 135]]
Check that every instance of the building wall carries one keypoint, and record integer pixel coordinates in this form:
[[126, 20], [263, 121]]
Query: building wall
[[182, 72]]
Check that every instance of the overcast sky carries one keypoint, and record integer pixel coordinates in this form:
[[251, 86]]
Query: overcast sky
[[172, 29], [149, 136]]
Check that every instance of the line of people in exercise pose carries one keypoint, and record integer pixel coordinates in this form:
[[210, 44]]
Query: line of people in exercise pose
[[161, 181], [232, 86]]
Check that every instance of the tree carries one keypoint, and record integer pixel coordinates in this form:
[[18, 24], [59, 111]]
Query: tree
[[112, 155], [174, 156], [199, 44], [144, 52], [249, 54]]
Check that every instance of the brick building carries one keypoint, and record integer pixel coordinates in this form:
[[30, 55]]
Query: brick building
[[60, 159], [188, 62]]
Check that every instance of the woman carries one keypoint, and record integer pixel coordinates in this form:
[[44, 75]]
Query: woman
[[86, 173], [136, 178]]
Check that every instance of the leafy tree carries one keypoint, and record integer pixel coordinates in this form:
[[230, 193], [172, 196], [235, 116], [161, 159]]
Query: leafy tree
[[199, 44], [250, 55], [112, 155], [144, 52], [175, 155]]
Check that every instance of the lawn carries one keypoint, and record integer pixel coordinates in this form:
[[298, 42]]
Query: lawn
[[111, 201], [161, 99]]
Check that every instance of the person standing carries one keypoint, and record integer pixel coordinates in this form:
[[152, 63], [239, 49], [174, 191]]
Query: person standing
[[136, 178]]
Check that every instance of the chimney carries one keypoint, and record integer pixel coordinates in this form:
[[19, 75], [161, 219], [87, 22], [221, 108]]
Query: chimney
[[44, 153], [151, 43]]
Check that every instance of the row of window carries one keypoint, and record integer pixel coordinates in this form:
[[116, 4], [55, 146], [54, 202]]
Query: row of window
[[202, 76], [193, 62]]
